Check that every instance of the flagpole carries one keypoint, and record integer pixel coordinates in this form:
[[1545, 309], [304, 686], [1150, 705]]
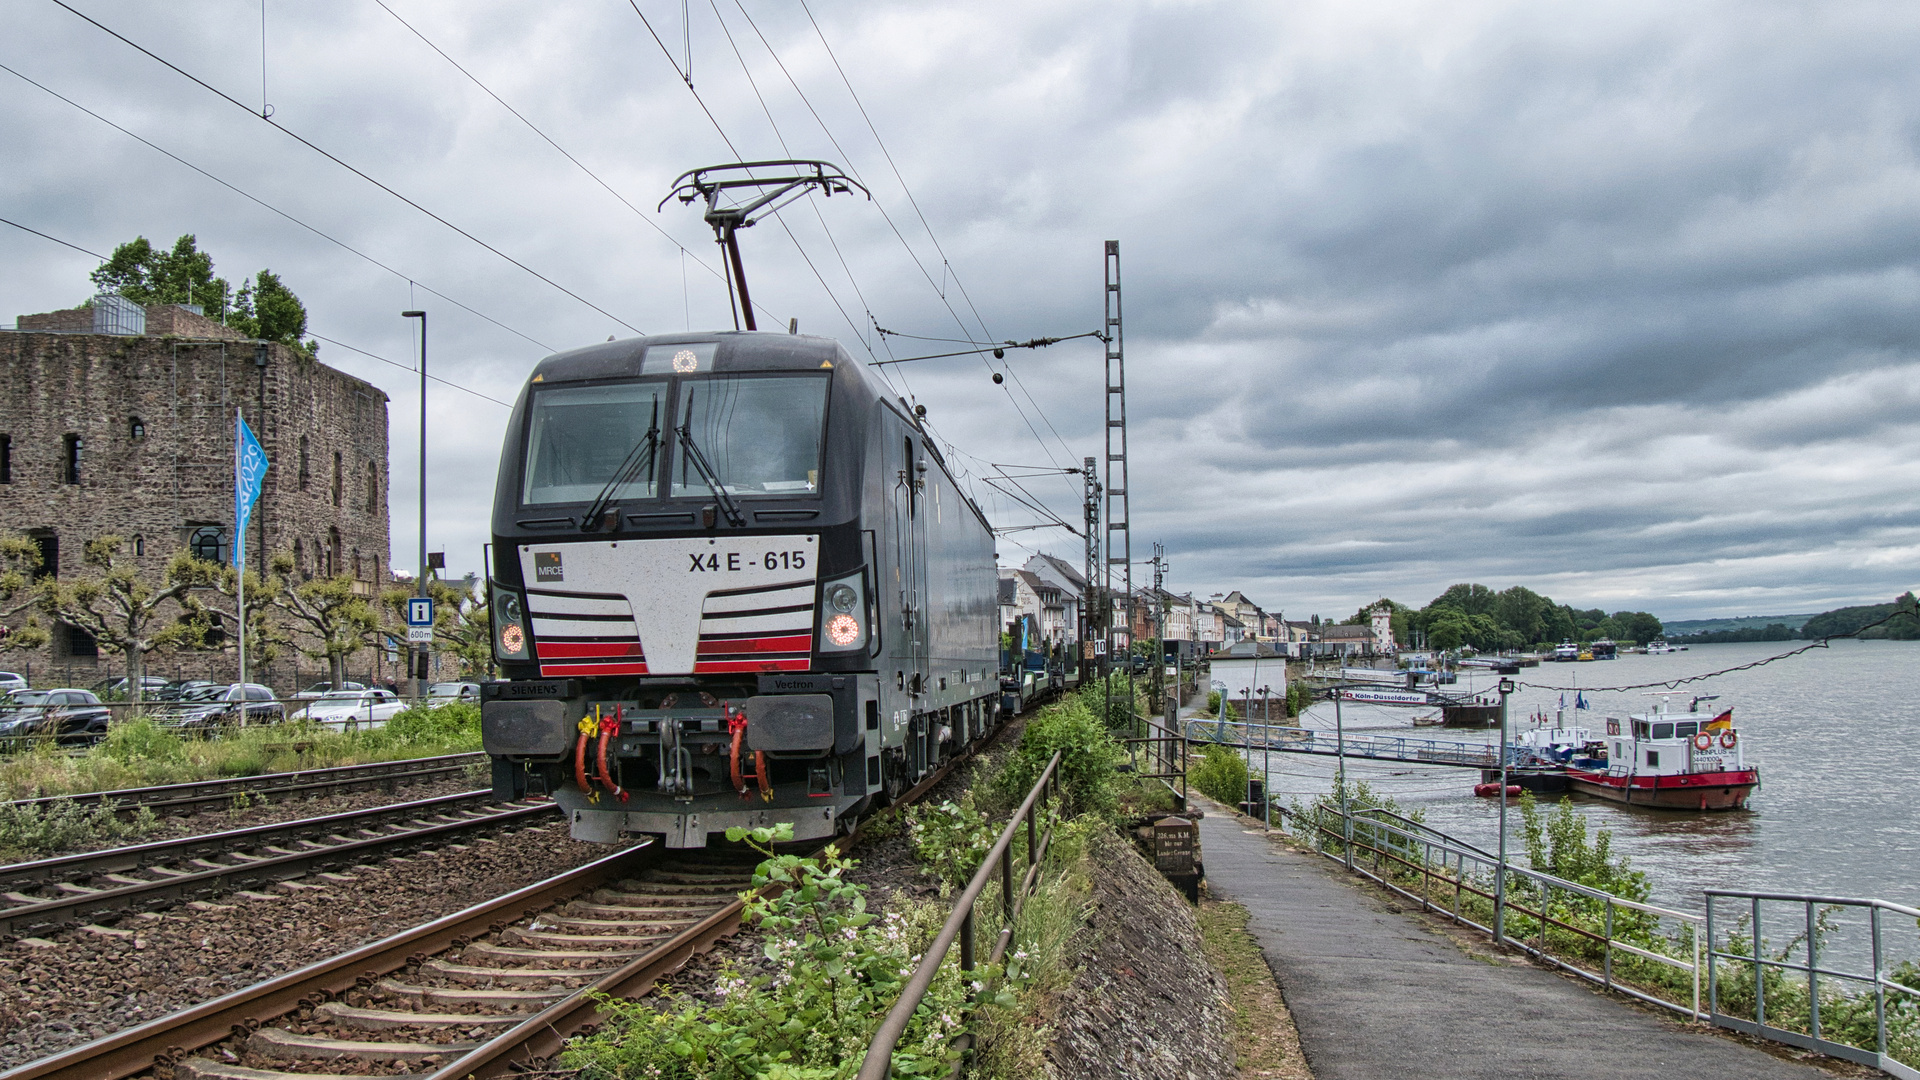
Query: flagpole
[[240, 549]]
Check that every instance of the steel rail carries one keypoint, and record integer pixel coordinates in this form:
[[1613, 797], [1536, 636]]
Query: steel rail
[[160, 852], [193, 795], [253, 871], [170, 1039], [543, 1035]]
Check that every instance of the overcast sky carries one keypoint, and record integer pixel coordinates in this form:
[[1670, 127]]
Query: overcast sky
[[1615, 301]]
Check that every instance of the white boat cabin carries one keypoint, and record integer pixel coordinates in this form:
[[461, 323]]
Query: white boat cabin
[[1665, 743]]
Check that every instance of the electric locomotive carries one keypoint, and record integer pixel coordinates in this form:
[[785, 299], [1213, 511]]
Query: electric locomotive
[[732, 583]]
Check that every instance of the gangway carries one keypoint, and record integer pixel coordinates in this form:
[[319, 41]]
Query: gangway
[[1299, 740]]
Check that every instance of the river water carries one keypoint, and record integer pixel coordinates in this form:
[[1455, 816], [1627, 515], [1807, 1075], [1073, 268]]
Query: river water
[[1835, 732]]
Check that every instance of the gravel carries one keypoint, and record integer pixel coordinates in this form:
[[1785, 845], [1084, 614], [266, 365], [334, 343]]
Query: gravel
[[86, 982]]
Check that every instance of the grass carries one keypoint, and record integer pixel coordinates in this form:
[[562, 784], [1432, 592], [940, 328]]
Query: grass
[[142, 753], [1266, 1044]]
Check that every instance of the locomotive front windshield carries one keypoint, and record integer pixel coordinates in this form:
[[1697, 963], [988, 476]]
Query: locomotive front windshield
[[758, 434], [581, 438], [750, 434]]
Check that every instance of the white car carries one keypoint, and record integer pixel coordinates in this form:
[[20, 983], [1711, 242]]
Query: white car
[[352, 708], [10, 681]]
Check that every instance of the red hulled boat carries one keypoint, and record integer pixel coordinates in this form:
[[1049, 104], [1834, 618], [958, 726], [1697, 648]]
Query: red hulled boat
[[1673, 761]]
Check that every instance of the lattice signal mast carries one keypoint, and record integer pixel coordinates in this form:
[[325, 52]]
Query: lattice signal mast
[[1090, 622], [1116, 534]]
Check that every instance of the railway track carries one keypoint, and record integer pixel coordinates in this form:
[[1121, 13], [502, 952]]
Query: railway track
[[35, 896], [201, 795], [475, 995]]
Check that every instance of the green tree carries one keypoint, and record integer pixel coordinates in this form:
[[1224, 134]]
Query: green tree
[[266, 309], [115, 602], [340, 620], [145, 274]]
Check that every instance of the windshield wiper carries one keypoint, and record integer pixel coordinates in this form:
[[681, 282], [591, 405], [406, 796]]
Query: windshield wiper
[[644, 452], [712, 479]]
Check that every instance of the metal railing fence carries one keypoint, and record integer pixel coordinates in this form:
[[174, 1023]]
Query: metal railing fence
[[1787, 987], [879, 1060], [1301, 740], [169, 714], [1165, 754], [1634, 948]]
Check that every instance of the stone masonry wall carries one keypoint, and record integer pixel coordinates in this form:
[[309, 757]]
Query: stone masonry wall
[[154, 420]]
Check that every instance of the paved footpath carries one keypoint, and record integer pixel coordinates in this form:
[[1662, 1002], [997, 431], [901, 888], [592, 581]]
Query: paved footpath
[[1376, 994]]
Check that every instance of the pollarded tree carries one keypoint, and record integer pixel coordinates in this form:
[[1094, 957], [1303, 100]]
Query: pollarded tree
[[340, 621], [210, 620], [126, 613], [19, 564]]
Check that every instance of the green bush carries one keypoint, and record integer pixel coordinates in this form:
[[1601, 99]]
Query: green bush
[[1127, 701], [1086, 772], [1221, 775], [951, 837], [836, 969], [456, 724], [1213, 706], [140, 740], [33, 832]]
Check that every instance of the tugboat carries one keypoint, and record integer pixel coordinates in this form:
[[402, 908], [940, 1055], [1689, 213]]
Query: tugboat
[[1669, 760]]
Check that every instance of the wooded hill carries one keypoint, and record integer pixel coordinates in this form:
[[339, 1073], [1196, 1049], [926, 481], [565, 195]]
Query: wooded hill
[[1835, 623]]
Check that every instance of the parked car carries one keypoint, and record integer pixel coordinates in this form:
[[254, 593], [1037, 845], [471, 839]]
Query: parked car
[[322, 689], [446, 693], [235, 703], [371, 708], [179, 688], [122, 689], [70, 716], [10, 681]]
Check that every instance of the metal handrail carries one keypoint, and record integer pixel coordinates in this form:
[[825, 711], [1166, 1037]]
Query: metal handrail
[[1807, 926], [1170, 764], [879, 1060]]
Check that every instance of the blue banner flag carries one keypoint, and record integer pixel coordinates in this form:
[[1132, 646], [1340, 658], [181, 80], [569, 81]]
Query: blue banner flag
[[1580, 701], [249, 470]]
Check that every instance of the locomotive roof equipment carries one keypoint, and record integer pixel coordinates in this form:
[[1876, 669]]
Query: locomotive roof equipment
[[793, 179]]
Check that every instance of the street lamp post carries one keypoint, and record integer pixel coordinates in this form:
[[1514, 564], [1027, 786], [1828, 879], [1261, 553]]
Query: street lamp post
[[1266, 755], [1340, 776], [415, 653], [1500, 883]]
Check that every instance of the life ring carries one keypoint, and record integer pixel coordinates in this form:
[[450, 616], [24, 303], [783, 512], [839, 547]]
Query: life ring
[[1729, 740], [1703, 741]]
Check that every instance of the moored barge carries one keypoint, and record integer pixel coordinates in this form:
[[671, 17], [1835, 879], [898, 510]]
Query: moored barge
[[1674, 761]]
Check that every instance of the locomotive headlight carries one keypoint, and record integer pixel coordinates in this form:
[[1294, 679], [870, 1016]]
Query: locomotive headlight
[[843, 613], [843, 630], [509, 626]]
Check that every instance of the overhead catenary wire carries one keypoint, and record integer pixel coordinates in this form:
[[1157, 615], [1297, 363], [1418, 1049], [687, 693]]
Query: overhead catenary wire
[[722, 132], [548, 139], [946, 264], [321, 337], [256, 200], [55, 239], [316, 148]]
